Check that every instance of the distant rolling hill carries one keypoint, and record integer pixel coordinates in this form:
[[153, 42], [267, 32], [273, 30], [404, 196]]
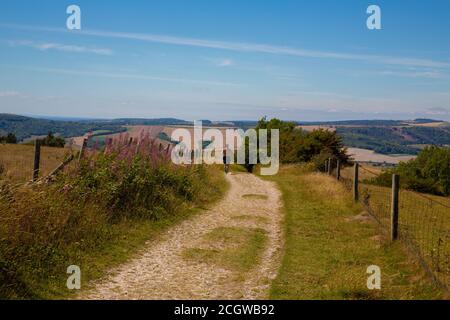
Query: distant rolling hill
[[381, 136], [390, 136], [25, 127]]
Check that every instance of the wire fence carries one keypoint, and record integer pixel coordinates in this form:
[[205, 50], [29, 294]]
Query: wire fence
[[423, 220], [17, 161], [424, 225]]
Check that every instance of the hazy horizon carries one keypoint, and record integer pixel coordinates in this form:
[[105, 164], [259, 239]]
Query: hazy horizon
[[306, 119]]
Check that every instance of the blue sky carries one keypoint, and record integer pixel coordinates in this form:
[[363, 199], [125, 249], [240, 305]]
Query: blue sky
[[226, 60]]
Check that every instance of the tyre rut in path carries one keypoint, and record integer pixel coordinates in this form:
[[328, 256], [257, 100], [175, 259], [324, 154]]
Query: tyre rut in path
[[159, 271]]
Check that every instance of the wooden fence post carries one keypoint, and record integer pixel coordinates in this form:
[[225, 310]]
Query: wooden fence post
[[83, 146], [394, 206], [330, 167], [37, 159], [326, 166], [356, 182], [338, 169]]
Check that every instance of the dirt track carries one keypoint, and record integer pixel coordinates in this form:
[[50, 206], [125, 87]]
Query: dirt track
[[161, 272]]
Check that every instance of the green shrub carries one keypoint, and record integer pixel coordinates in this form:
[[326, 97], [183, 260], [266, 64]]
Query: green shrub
[[10, 138], [52, 141], [299, 146], [428, 173], [319, 161]]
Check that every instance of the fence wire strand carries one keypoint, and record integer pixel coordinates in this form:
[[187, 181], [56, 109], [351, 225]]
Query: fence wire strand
[[17, 161], [424, 220], [424, 225]]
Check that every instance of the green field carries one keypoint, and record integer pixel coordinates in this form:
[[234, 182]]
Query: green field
[[330, 244]]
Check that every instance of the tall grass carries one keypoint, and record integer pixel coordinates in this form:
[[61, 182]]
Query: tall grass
[[46, 228]]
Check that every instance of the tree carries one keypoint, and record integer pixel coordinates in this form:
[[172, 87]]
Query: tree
[[428, 173], [290, 137], [299, 146], [51, 141], [10, 138], [322, 141]]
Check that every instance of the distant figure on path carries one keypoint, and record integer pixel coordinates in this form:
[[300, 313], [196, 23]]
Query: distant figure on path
[[227, 159]]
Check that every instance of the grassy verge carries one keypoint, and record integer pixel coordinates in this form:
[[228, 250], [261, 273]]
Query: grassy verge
[[243, 248], [329, 246], [96, 217]]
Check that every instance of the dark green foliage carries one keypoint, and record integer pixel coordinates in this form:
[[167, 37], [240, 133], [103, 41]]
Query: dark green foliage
[[393, 139], [126, 186], [428, 173], [321, 142], [51, 141], [25, 127], [299, 146], [290, 137], [9, 138]]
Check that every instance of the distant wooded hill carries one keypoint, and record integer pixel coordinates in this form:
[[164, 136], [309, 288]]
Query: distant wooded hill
[[25, 127], [391, 136], [382, 136]]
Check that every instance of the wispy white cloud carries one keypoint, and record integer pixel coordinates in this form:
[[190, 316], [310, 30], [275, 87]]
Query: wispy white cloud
[[270, 49], [225, 63], [221, 62], [264, 48], [132, 76], [46, 46], [429, 74], [9, 94], [249, 47]]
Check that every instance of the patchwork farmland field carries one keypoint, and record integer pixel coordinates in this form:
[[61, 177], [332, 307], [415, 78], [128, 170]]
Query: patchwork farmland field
[[161, 134], [365, 155]]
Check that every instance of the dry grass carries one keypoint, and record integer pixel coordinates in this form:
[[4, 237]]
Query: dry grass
[[18, 160], [243, 248], [430, 125], [254, 196], [366, 155], [254, 219], [328, 250], [424, 223], [370, 173], [424, 220], [320, 185]]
